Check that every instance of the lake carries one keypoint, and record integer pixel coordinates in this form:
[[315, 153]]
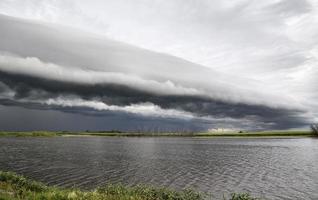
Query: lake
[[265, 167]]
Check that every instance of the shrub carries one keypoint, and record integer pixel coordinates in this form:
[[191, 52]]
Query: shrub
[[314, 128], [243, 196]]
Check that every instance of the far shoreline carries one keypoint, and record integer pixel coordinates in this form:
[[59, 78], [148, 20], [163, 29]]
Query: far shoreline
[[260, 134]]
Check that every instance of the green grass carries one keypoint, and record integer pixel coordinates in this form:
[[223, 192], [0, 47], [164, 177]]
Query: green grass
[[122, 134], [15, 187]]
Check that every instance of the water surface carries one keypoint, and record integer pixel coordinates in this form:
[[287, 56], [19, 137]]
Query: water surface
[[268, 168]]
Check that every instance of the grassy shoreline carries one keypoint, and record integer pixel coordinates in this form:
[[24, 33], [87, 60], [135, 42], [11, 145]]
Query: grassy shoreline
[[16, 187], [119, 134]]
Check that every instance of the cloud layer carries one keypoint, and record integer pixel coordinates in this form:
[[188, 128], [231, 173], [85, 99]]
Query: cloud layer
[[258, 76]]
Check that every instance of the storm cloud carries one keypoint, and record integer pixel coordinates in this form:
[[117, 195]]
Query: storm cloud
[[51, 69]]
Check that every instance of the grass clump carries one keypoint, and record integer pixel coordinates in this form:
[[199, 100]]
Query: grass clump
[[19, 182], [16, 187], [148, 193], [243, 196]]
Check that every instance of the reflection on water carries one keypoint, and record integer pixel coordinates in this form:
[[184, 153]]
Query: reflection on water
[[271, 168]]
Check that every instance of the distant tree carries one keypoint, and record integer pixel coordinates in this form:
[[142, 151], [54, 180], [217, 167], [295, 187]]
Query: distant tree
[[314, 128]]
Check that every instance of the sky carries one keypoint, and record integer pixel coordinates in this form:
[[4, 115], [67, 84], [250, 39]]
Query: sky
[[154, 65]]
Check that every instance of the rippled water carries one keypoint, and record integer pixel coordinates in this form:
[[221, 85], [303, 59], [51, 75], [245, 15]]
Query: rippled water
[[270, 168]]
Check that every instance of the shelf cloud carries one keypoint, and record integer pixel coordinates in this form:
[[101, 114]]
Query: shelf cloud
[[50, 68]]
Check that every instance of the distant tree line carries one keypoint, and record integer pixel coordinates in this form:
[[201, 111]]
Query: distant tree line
[[149, 130]]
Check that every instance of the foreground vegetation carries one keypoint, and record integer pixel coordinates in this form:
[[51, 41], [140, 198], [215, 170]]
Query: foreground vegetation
[[15, 187], [150, 134]]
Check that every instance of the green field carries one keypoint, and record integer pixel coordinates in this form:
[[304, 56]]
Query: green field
[[132, 134], [15, 187]]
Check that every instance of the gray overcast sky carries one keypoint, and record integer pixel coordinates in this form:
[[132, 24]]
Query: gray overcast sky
[[180, 64]]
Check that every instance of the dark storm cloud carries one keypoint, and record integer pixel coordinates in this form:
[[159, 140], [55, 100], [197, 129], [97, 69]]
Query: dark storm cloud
[[47, 68], [24, 86], [41, 46], [28, 87], [17, 118]]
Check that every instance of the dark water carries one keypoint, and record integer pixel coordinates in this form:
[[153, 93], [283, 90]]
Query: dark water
[[270, 168]]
